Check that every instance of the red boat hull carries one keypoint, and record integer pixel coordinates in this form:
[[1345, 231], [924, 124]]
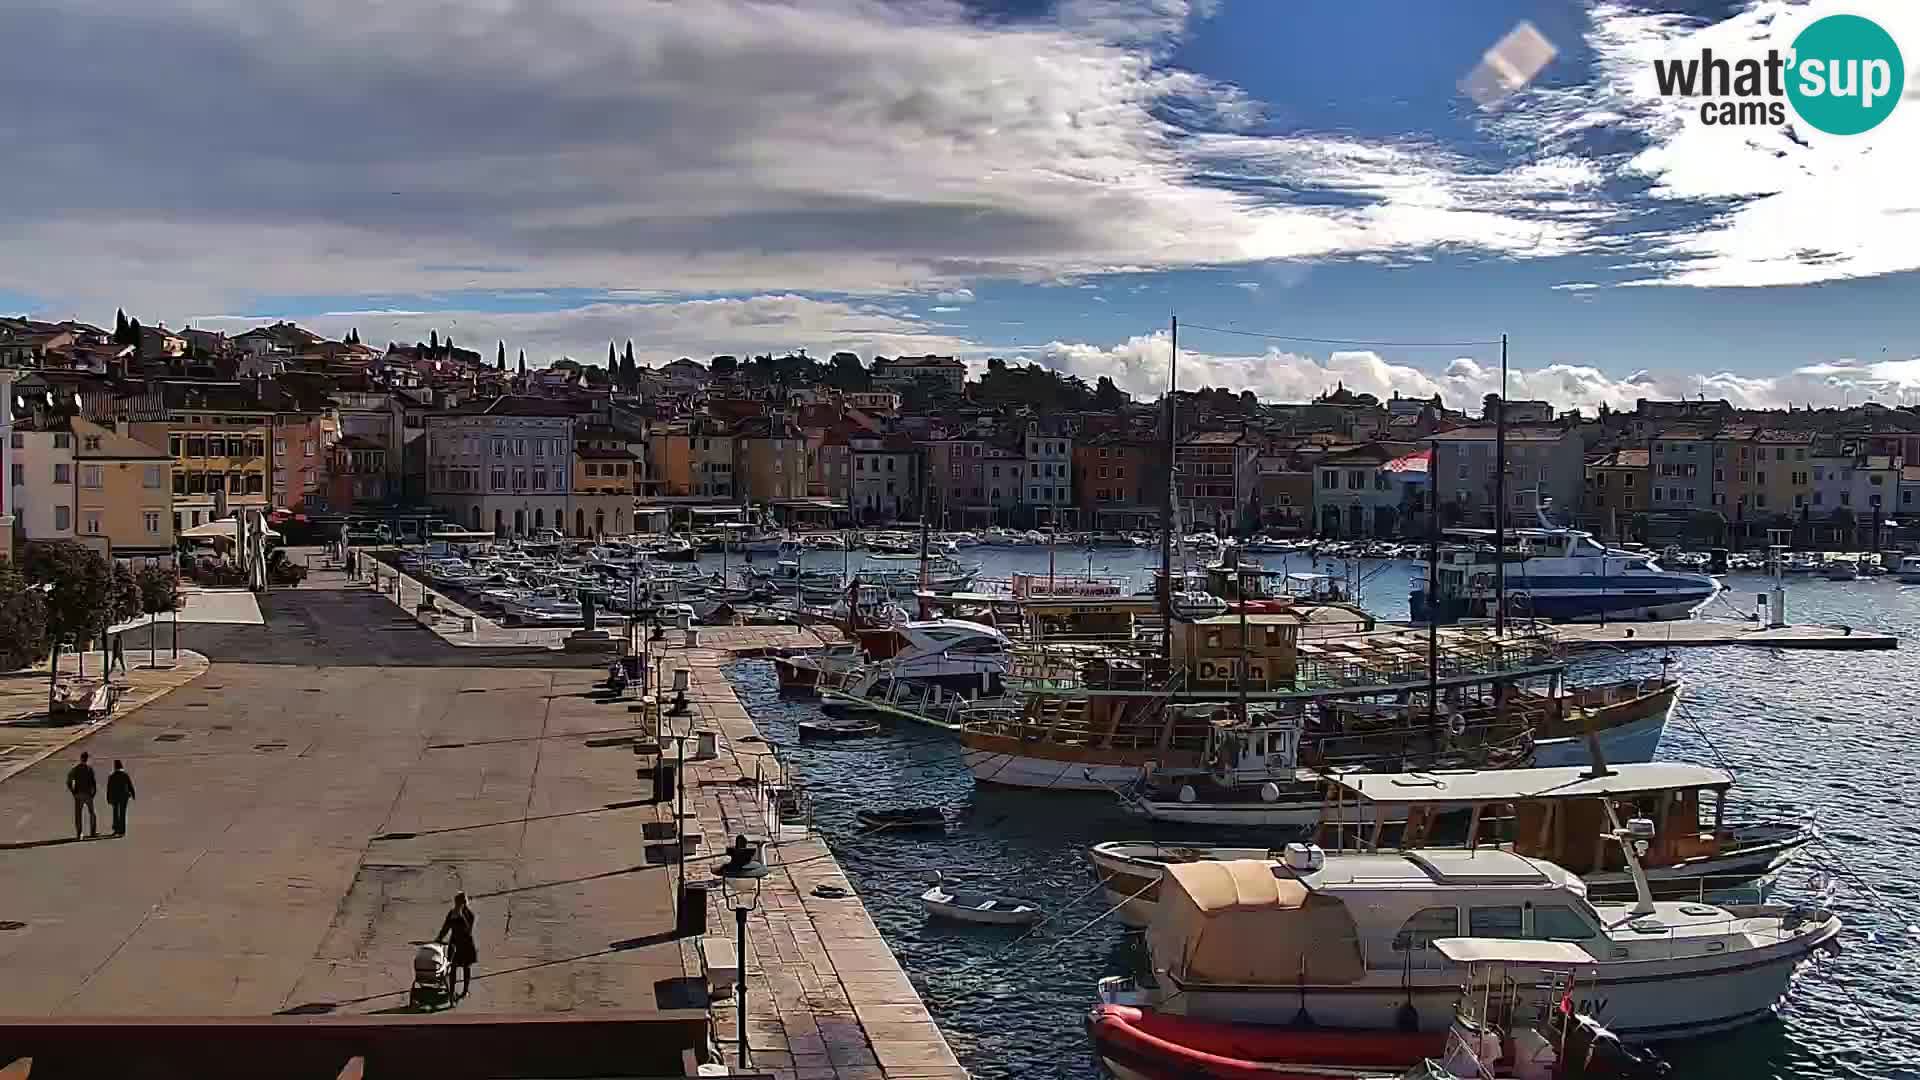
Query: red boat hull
[[1160, 1046]]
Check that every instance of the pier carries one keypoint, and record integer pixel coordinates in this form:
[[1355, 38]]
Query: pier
[[1700, 633]]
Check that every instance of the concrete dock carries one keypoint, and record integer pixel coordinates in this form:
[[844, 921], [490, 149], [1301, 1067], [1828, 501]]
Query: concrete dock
[[307, 807], [1700, 633]]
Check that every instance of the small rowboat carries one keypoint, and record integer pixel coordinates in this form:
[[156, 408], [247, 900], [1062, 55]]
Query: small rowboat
[[905, 818], [944, 903], [838, 729]]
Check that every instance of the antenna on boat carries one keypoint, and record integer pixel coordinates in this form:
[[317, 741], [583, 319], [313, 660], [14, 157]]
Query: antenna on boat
[[1500, 498], [1633, 843], [1433, 593]]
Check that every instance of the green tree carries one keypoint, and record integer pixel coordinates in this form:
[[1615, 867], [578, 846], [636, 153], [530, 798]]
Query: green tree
[[1108, 397], [119, 326], [846, 372], [613, 359], [433, 340], [79, 596], [500, 357], [629, 371], [133, 334], [159, 593], [523, 363], [722, 366], [123, 600], [23, 622]]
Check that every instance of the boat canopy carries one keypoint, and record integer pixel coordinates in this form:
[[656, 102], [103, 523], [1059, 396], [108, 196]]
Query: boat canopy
[[1529, 785], [1247, 922], [1471, 950]]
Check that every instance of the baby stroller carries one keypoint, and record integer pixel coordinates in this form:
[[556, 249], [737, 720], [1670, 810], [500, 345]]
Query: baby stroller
[[432, 977]]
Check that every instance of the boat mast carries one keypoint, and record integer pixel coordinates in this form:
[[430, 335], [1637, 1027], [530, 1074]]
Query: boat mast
[[1500, 498], [926, 522], [1166, 499], [1433, 593]]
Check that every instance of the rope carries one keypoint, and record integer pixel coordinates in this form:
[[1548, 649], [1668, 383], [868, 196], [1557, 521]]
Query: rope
[[1057, 942], [1009, 946], [1686, 714], [1343, 341]]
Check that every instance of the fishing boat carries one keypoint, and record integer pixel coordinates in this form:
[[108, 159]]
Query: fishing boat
[[1550, 814], [1348, 941], [1557, 575], [1515, 1018], [838, 729], [960, 905]]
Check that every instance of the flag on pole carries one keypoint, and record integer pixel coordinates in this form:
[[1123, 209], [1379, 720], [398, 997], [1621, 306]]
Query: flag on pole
[[1417, 462]]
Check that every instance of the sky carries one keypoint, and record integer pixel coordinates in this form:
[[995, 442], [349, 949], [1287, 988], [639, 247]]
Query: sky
[[1042, 180]]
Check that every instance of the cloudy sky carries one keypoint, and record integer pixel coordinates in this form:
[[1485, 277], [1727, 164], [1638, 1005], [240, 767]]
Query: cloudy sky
[[1041, 179]]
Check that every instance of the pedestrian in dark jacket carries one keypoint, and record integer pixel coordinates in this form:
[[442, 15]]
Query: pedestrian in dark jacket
[[82, 785], [457, 931], [119, 794]]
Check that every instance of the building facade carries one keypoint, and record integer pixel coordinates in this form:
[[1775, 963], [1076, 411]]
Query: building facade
[[1219, 472], [1616, 492], [1356, 496], [503, 465], [217, 434], [123, 492], [1546, 463], [885, 486], [770, 460]]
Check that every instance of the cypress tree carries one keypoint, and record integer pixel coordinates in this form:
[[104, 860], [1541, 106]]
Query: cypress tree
[[500, 358], [120, 326], [523, 363]]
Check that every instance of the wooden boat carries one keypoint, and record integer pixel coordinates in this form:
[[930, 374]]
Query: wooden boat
[[838, 729], [906, 818], [962, 906]]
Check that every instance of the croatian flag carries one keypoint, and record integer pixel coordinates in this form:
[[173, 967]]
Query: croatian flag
[[1416, 462]]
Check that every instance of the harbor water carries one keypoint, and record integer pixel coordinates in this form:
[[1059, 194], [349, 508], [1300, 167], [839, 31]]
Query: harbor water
[[1825, 734]]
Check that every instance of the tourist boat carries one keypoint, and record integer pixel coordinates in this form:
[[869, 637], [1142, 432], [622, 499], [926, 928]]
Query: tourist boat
[[961, 905], [1550, 814], [1909, 570], [1515, 1018], [1348, 941], [1558, 575]]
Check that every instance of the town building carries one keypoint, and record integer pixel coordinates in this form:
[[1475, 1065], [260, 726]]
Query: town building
[[40, 477], [356, 475], [943, 372], [604, 468], [1050, 477], [1681, 468], [770, 460], [1356, 494], [885, 480], [217, 434], [957, 473], [1119, 482], [502, 465], [1546, 465], [1616, 492], [1219, 472]]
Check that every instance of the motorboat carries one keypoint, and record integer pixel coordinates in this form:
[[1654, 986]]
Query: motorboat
[[800, 673], [1515, 1018], [961, 905], [1550, 814], [1557, 575], [956, 656], [1350, 941], [1840, 570], [940, 573], [1908, 572]]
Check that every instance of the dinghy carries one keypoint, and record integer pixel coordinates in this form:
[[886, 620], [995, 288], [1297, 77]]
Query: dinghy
[[961, 906]]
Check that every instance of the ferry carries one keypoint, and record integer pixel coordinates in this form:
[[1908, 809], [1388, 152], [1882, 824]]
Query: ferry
[[1556, 575]]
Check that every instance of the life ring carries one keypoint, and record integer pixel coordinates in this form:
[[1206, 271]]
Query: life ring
[[1519, 603], [1457, 724]]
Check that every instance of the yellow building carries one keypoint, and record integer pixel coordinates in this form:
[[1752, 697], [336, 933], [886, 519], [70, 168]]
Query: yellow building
[[123, 492], [217, 435], [605, 472], [770, 461]]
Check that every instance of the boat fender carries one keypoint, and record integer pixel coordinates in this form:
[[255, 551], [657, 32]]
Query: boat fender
[[1457, 724], [1269, 792], [1187, 794]]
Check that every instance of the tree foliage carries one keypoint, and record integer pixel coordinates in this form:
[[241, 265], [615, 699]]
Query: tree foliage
[[159, 589], [723, 365], [79, 604], [846, 372], [23, 622], [1108, 397], [123, 598], [1042, 388]]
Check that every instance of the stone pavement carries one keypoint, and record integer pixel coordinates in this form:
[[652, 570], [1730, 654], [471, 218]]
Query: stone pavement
[[28, 736], [826, 998]]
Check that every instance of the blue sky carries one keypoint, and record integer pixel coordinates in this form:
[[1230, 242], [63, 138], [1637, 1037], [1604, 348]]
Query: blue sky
[[1047, 180]]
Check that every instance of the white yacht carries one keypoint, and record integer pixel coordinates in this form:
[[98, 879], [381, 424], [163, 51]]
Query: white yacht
[[955, 655], [1559, 575], [1346, 941]]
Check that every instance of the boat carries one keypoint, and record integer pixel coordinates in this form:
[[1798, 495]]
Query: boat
[[907, 818], [1349, 941], [955, 655], [1515, 1018], [674, 551], [1840, 570], [936, 572], [1551, 814], [942, 902], [800, 673], [1556, 575], [838, 729], [1908, 572]]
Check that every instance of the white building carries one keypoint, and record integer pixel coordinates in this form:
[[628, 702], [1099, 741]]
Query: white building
[[503, 465], [904, 371], [40, 481]]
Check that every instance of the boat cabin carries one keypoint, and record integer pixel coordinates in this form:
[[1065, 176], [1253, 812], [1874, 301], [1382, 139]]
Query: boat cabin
[[1218, 652], [1552, 814]]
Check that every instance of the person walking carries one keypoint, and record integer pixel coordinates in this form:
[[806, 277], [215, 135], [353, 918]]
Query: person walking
[[82, 785], [456, 931], [119, 794]]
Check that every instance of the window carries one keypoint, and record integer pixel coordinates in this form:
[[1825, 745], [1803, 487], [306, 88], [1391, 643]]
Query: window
[[1760, 499], [1759, 478], [306, 447], [519, 479], [279, 448], [1627, 480], [62, 519], [62, 473], [499, 448], [150, 479], [1557, 922], [90, 476], [1780, 454], [19, 441], [539, 479], [173, 445], [1874, 479], [1817, 498], [1494, 922], [1419, 932], [1846, 498], [62, 440], [153, 522], [196, 446], [497, 479], [559, 479]]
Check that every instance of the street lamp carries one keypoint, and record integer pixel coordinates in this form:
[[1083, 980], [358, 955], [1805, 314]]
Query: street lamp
[[740, 880]]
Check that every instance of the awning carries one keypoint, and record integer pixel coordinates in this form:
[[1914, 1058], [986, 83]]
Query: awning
[[224, 529]]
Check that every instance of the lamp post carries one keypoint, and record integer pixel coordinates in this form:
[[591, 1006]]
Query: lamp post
[[740, 879]]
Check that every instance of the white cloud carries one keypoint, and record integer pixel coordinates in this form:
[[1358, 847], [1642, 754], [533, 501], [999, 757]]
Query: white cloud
[[1577, 286], [1250, 286], [944, 310], [1139, 366], [955, 296]]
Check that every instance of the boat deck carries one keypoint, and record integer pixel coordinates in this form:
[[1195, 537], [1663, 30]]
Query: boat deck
[[1699, 633]]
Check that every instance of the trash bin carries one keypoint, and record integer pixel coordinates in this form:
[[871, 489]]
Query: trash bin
[[691, 918]]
